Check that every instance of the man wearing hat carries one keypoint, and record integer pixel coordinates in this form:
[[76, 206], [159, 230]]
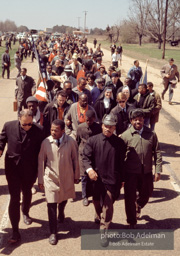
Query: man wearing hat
[[141, 148], [67, 75], [103, 158], [170, 76], [32, 104]]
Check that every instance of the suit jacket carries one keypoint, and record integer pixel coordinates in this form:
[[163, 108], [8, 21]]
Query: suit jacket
[[24, 88], [23, 153], [6, 59], [148, 103], [50, 114]]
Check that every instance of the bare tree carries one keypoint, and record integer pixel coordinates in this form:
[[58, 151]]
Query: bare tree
[[138, 16], [165, 27]]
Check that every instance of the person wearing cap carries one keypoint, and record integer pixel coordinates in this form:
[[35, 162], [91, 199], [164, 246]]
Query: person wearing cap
[[103, 158], [32, 104], [104, 104], [85, 130], [67, 75], [98, 89], [75, 65], [170, 76], [142, 147], [23, 139], [76, 115]]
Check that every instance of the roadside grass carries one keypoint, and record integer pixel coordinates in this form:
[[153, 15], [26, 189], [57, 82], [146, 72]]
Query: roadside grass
[[144, 52], [11, 52]]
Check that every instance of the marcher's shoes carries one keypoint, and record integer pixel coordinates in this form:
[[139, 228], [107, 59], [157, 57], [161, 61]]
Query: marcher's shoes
[[61, 217], [14, 238], [97, 219], [170, 102], [53, 239], [85, 201], [162, 96], [27, 220]]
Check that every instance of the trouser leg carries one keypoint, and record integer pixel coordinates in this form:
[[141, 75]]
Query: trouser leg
[[165, 89], [98, 208], [171, 92], [145, 189], [130, 188], [14, 204], [61, 208], [52, 215], [3, 71], [27, 197], [107, 211], [8, 72], [84, 184]]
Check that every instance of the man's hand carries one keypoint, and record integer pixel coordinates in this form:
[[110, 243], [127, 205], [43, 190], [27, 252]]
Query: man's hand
[[68, 122], [1, 152], [76, 181], [41, 187], [92, 175], [167, 76], [157, 177]]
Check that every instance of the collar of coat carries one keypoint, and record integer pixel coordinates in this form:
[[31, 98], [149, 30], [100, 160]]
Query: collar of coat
[[145, 129], [64, 140]]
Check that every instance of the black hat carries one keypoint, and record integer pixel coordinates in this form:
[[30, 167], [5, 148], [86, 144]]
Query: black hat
[[109, 119]]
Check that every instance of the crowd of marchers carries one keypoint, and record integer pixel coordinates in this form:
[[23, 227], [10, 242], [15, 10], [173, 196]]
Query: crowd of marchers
[[84, 123]]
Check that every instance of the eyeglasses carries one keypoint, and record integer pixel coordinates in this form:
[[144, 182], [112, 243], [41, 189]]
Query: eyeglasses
[[121, 101], [30, 124]]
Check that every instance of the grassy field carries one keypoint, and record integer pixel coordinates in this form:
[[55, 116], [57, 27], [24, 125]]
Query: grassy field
[[146, 51], [11, 52]]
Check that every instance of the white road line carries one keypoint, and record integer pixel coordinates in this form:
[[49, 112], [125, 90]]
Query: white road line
[[4, 221]]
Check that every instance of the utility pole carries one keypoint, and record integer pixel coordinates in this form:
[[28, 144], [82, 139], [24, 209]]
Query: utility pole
[[165, 28], [78, 22], [85, 12]]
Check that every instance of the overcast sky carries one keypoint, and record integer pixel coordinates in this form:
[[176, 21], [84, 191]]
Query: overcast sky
[[48, 13]]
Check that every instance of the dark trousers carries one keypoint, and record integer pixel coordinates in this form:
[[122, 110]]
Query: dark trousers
[[143, 183], [52, 214], [8, 71], [17, 182], [84, 184], [104, 210]]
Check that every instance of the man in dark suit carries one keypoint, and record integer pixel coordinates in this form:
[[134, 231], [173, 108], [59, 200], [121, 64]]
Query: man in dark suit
[[25, 87], [24, 139], [6, 63]]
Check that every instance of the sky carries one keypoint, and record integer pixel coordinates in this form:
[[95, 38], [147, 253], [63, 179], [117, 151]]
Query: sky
[[36, 14]]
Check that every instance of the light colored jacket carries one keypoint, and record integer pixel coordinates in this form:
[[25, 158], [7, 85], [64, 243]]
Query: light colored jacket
[[57, 168]]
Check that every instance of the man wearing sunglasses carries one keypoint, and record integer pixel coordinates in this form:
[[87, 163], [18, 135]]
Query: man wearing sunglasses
[[23, 138]]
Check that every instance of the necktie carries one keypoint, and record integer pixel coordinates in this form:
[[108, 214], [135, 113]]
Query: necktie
[[58, 143]]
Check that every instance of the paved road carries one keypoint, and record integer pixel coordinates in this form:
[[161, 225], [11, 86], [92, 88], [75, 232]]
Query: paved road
[[162, 212]]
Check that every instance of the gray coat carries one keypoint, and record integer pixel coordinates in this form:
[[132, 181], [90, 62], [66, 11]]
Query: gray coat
[[57, 168]]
